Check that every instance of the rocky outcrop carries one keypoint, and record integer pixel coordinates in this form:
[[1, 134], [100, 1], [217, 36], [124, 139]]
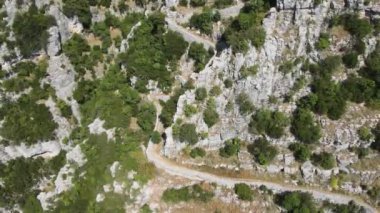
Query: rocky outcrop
[[54, 42]]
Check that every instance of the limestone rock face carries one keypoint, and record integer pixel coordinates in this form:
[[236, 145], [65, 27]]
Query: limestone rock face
[[54, 44], [171, 3]]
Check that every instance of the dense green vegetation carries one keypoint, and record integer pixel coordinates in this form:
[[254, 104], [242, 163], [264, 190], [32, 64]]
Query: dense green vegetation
[[30, 30], [376, 132], [188, 133], [197, 152], [194, 192], [197, 3], [301, 152], [246, 27], [231, 148], [81, 9], [272, 123], [155, 137], [304, 127], [205, 20], [324, 159], [262, 151], [350, 59], [151, 50], [249, 71], [28, 75], [351, 207], [99, 99], [26, 121], [20, 176], [200, 56], [296, 202], [75, 48], [146, 117], [355, 25], [243, 191], [223, 3]]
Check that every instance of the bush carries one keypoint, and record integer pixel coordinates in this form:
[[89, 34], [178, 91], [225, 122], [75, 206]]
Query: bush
[[28, 75], [245, 105], [263, 152], [358, 89], [296, 202], [74, 49], [324, 159], [187, 193], [188, 133], [210, 116], [155, 137], [146, 116], [222, 3], [204, 21], [301, 151], [356, 26], [190, 110], [272, 123], [231, 148], [169, 108], [243, 191], [197, 152], [365, 134], [30, 30], [81, 9], [197, 3], [200, 94], [350, 59], [215, 91], [249, 71], [323, 42], [304, 128], [228, 83], [200, 56], [351, 207]]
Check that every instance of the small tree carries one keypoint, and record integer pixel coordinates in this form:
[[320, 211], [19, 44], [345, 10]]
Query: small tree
[[231, 147], [200, 94], [243, 191], [263, 152], [188, 133], [301, 151], [324, 159], [197, 152], [156, 137]]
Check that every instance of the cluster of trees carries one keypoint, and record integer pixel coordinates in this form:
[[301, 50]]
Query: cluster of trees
[[30, 30], [194, 192], [262, 151], [271, 123], [301, 152], [243, 191], [20, 176], [231, 148], [304, 127], [200, 56], [222, 3], [204, 21], [246, 27], [150, 51], [146, 117], [26, 121]]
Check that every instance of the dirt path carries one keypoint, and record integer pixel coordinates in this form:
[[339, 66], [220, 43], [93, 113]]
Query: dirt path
[[153, 155]]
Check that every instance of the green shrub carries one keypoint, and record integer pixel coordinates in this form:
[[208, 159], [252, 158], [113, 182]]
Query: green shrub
[[358, 89], [210, 116], [197, 3], [356, 26], [215, 91], [263, 152], [222, 3], [30, 30], [155, 137], [169, 108], [272, 123], [74, 49], [231, 148], [81, 9], [243, 191], [28, 75], [301, 152], [296, 202], [245, 105], [351, 207], [188, 133], [200, 56], [65, 109], [350, 59], [324, 159], [286, 67], [228, 83], [362, 152], [304, 128], [197, 152], [323, 42], [204, 21], [187, 193], [146, 116], [200, 94], [190, 110], [249, 71], [365, 133]]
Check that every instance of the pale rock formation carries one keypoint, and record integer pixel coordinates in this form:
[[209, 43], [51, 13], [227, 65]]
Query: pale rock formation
[[54, 43]]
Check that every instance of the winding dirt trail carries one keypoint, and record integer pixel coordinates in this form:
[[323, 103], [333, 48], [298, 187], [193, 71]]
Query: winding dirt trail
[[173, 168]]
